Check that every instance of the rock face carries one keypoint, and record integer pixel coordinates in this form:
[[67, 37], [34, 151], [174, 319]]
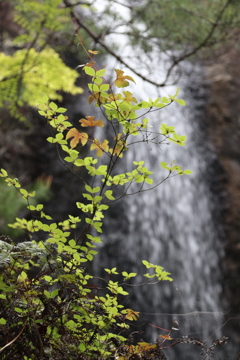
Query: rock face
[[222, 124]]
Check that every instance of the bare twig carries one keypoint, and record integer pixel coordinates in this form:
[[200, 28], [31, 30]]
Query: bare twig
[[176, 61], [12, 341]]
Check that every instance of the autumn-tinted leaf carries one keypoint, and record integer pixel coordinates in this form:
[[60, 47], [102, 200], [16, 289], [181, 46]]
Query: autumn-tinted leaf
[[89, 121], [146, 346], [120, 146], [99, 97], [121, 80], [166, 337], [129, 98], [91, 64], [77, 137], [100, 146], [114, 97], [93, 52], [131, 315]]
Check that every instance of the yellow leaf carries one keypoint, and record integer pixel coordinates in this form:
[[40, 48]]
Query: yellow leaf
[[121, 80], [146, 346], [100, 146], [129, 98], [114, 97], [89, 121], [77, 137], [93, 52], [132, 315], [120, 146]]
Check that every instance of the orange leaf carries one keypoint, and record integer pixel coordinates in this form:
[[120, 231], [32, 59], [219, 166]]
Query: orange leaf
[[167, 337], [91, 64], [89, 121], [132, 315], [121, 80], [77, 137], [100, 146]]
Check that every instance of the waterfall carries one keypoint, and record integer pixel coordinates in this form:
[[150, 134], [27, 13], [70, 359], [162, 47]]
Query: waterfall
[[172, 226]]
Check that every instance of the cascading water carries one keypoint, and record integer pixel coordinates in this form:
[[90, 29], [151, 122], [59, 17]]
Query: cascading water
[[172, 226]]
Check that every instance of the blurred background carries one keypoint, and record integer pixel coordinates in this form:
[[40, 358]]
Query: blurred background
[[189, 225]]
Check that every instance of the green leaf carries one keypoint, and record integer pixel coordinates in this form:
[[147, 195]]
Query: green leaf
[[45, 99], [53, 106], [18, 310], [3, 173], [23, 275], [93, 87], [23, 192], [92, 190], [104, 87], [180, 102], [82, 347], [108, 195], [89, 71], [177, 139], [61, 110], [51, 140], [94, 238], [39, 207], [164, 165], [88, 188], [187, 172], [96, 189], [97, 80], [31, 207], [101, 72], [147, 264], [148, 181], [72, 243], [2, 321], [112, 271]]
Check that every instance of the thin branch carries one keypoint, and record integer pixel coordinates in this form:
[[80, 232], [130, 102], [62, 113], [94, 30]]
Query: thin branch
[[202, 44], [98, 40], [12, 341], [176, 61]]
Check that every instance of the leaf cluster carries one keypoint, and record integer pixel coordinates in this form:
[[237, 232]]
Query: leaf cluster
[[32, 66]]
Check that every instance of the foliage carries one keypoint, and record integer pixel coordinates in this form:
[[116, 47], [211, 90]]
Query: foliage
[[51, 305], [184, 24], [39, 75], [31, 67], [8, 197], [34, 69]]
